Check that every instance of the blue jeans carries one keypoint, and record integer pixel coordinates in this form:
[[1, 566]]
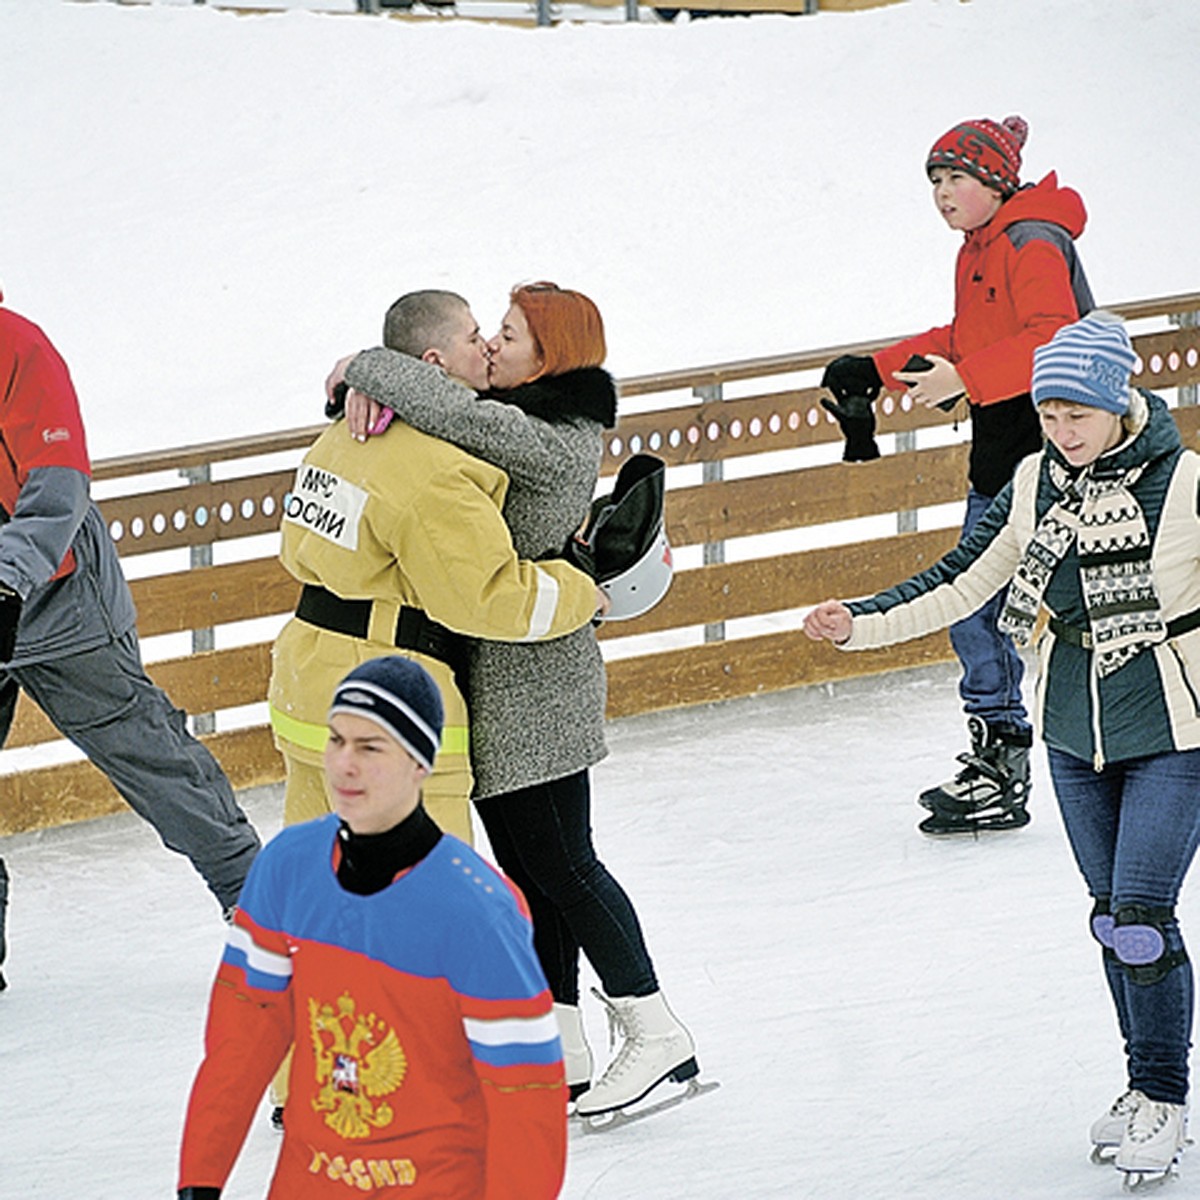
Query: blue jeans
[[542, 839], [992, 669], [1134, 827]]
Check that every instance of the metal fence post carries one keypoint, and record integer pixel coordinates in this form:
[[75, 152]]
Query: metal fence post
[[906, 519], [1187, 320], [712, 472], [201, 556]]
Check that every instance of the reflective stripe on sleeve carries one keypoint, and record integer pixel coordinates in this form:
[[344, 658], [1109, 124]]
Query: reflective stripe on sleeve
[[545, 605]]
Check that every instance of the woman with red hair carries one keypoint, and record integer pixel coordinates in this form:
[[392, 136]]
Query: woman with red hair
[[547, 332], [537, 709]]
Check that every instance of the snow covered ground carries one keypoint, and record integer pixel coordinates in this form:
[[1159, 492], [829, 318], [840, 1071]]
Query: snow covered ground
[[887, 1015], [205, 210]]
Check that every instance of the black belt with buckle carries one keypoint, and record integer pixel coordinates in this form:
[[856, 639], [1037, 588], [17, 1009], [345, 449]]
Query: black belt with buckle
[[1074, 636], [414, 630]]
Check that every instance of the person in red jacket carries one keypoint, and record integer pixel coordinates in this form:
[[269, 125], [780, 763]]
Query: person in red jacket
[[1018, 280], [68, 632]]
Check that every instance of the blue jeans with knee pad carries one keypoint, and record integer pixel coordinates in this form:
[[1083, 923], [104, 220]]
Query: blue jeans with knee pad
[[1134, 828], [990, 686]]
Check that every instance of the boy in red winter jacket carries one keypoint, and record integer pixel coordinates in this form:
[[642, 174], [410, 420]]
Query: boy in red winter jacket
[[1017, 280]]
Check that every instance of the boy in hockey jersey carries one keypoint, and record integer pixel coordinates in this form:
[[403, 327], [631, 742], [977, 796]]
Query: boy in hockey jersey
[[1017, 280], [427, 1061]]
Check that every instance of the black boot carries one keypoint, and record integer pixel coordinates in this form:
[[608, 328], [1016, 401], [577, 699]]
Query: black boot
[[990, 791]]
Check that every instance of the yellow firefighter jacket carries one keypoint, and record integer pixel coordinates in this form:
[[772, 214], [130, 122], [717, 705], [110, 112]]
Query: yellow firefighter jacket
[[406, 519]]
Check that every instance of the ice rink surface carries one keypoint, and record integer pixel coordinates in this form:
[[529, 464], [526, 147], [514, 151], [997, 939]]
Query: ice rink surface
[[887, 1015]]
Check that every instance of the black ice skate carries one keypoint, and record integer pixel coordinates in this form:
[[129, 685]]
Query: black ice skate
[[990, 791]]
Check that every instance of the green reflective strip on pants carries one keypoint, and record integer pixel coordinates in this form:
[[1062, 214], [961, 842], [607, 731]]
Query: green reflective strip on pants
[[312, 737]]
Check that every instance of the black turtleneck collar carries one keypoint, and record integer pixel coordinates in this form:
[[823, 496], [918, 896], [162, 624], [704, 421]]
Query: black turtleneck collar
[[369, 862], [588, 392]]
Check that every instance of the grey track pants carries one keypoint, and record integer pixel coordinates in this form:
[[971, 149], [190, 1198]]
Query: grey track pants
[[103, 701]]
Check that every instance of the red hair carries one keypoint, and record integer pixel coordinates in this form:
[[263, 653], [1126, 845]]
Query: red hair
[[566, 326]]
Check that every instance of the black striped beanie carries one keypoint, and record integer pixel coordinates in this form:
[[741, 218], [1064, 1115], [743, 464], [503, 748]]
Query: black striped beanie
[[401, 696]]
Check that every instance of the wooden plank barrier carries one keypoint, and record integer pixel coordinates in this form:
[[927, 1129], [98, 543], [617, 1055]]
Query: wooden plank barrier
[[669, 657]]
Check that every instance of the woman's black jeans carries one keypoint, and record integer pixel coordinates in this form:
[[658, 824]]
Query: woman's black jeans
[[541, 837]]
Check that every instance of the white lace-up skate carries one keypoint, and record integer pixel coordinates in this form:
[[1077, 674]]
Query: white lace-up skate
[[577, 1054], [655, 1047], [1155, 1135], [1107, 1131]]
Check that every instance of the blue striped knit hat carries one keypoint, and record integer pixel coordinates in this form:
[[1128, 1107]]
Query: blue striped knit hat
[[1089, 362], [401, 696]]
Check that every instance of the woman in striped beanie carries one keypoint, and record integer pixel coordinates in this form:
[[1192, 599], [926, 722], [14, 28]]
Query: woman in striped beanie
[[1102, 530]]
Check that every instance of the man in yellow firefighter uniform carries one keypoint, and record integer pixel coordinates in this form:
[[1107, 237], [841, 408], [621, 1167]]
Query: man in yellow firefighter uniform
[[400, 544]]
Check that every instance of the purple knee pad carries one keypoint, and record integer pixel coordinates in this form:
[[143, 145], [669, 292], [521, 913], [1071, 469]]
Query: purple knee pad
[[1102, 928], [1139, 941], [1138, 945]]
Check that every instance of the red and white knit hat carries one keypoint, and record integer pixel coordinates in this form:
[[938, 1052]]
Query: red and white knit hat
[[989, 151]]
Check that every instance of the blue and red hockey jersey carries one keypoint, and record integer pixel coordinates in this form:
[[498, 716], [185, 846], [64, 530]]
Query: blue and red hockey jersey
[[427, 1061]]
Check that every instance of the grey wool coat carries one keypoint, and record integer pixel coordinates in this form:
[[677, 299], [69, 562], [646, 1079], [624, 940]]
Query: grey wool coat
[[536, 709]]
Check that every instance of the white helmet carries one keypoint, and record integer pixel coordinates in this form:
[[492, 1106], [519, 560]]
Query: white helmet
[[639, 588], [624, 544]]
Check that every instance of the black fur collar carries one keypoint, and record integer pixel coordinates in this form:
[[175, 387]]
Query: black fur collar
[[588, 392]]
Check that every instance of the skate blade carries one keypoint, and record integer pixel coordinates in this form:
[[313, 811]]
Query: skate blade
[[1105, 1156], [606, 1122], [1140, 1182], [941, 827]]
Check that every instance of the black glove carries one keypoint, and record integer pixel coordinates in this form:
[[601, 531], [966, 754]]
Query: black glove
[[10, 618], [852, 375], [855, 381], [857, 419], [199, 1193]]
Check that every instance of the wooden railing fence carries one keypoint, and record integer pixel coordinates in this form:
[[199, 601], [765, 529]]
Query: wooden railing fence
[[744, 463]]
